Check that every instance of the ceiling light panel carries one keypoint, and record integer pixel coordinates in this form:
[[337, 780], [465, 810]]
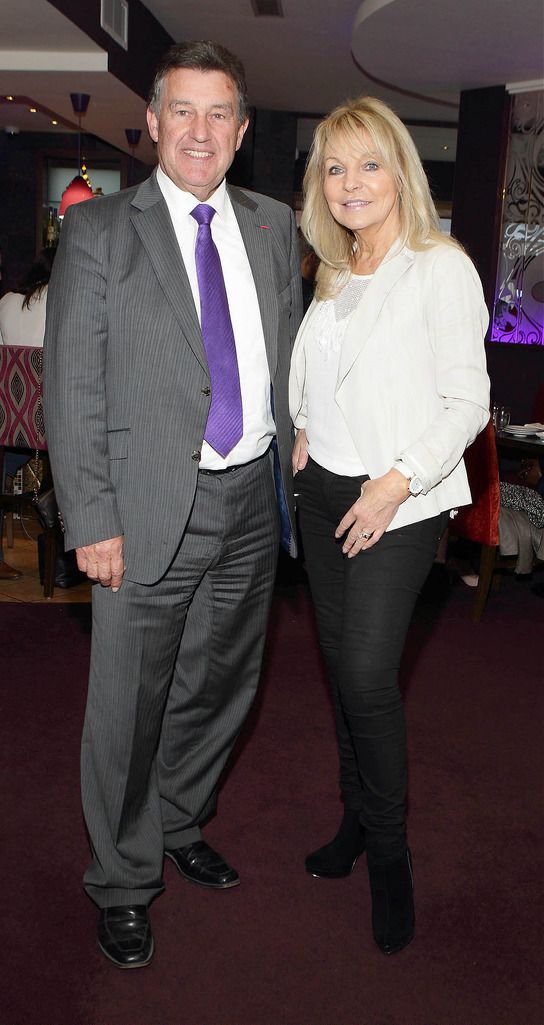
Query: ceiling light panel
[[267, 8]]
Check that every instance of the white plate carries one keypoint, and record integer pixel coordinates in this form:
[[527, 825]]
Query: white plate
[[519, 432]]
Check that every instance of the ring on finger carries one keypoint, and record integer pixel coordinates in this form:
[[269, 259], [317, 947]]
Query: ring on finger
[[363, 534]]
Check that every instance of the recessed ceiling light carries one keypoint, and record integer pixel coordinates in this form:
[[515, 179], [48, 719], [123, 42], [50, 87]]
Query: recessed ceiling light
[[9, 98], [54, 122], [445, 147], [33, 110]]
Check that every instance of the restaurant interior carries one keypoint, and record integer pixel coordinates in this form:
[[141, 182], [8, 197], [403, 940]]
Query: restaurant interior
[[468, 81]]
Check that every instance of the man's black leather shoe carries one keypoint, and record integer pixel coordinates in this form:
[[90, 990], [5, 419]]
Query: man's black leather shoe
[[199, 863], [124, 935]]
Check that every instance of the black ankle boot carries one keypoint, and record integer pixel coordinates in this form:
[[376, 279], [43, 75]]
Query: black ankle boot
[[392, 891], [337, 858]]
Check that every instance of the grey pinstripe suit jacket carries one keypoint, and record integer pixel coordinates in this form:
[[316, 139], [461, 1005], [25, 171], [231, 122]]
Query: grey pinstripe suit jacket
[[126, 376]]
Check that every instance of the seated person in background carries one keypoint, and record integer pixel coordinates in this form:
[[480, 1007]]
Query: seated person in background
[[532, 474], [22, 313], [521, 525], [22, 322]]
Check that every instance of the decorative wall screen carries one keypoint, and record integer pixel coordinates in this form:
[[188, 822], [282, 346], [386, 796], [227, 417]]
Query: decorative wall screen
[[519, 295]]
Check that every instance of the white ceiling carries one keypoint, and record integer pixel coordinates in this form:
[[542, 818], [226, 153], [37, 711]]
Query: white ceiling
[[447, 46], [307, 61], [45, 57]]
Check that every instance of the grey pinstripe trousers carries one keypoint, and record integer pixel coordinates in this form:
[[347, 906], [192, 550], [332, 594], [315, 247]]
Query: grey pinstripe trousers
[[174, 670]]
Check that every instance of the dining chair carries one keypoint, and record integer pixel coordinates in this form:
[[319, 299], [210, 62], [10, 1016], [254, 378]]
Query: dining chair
[[22, 426], [479, 522]]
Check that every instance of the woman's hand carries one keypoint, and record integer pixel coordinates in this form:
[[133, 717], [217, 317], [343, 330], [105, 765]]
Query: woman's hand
[[372, 513], [299, 457]]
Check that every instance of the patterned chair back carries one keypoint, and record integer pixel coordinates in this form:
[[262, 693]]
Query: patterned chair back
[[22, 422]]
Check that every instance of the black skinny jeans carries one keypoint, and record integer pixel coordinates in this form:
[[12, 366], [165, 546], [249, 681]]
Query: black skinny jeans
[[363, 608]]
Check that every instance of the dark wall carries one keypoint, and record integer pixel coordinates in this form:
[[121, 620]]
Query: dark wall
[[440, 175], [21, 186], [482, 145], [265, 161], [516, 373], [274, 153], [18, 174]]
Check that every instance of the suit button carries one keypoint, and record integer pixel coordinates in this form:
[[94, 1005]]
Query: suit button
[[206, 391], [196, 455]]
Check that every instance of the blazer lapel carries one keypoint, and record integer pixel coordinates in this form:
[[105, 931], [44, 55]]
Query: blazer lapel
[[151, 220], [257, 237], [365, 316]]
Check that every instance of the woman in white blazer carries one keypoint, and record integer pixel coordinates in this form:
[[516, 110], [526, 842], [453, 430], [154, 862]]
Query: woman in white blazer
[[388, 387]]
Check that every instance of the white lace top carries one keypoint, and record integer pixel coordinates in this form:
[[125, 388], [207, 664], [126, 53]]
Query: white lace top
[[329, 441]]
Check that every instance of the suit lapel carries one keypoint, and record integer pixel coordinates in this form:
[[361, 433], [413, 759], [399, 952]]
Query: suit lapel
[[151, 220], [365, 316], [257, 237]]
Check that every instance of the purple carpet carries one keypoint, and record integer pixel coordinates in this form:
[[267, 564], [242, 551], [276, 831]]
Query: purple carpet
[[284, 948]]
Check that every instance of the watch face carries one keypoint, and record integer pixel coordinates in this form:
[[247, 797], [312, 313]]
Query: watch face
[[415, 486]]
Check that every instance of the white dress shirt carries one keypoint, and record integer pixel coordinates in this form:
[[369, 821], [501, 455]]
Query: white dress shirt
[[245, 315]]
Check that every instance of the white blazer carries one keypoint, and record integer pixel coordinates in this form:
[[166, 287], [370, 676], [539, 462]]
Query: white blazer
[[412, 381]]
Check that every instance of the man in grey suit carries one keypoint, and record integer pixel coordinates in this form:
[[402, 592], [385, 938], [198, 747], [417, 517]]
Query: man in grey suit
[[171, 314]]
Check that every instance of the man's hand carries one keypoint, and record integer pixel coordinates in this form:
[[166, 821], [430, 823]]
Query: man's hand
[[299, 457], [371, 514], [103, 561]]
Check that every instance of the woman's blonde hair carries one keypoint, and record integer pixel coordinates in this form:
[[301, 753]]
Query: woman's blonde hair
[[393, 146]]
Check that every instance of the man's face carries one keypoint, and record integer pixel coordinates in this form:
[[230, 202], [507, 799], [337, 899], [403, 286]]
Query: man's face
[[197, 131]]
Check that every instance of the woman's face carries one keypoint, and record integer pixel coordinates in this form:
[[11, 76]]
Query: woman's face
[[360, 192]]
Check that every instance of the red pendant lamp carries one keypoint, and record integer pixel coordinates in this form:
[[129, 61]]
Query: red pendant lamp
[[78, 190]]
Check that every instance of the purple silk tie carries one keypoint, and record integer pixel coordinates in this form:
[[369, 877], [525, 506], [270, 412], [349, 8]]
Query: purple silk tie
[[225, 418]]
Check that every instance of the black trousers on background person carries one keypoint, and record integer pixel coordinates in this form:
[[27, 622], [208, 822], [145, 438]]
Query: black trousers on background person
[[363, 609]]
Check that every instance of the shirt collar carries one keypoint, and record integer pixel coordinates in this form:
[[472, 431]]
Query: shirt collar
[[183, 202]]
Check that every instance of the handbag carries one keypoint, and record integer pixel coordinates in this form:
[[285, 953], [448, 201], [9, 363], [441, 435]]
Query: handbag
[[45, 504], [33, 474]]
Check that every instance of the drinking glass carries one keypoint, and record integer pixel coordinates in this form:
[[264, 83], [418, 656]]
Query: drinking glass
[[500, 416], [504, 417]]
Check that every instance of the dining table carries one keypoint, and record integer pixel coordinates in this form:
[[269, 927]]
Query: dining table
[[515, 446]]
